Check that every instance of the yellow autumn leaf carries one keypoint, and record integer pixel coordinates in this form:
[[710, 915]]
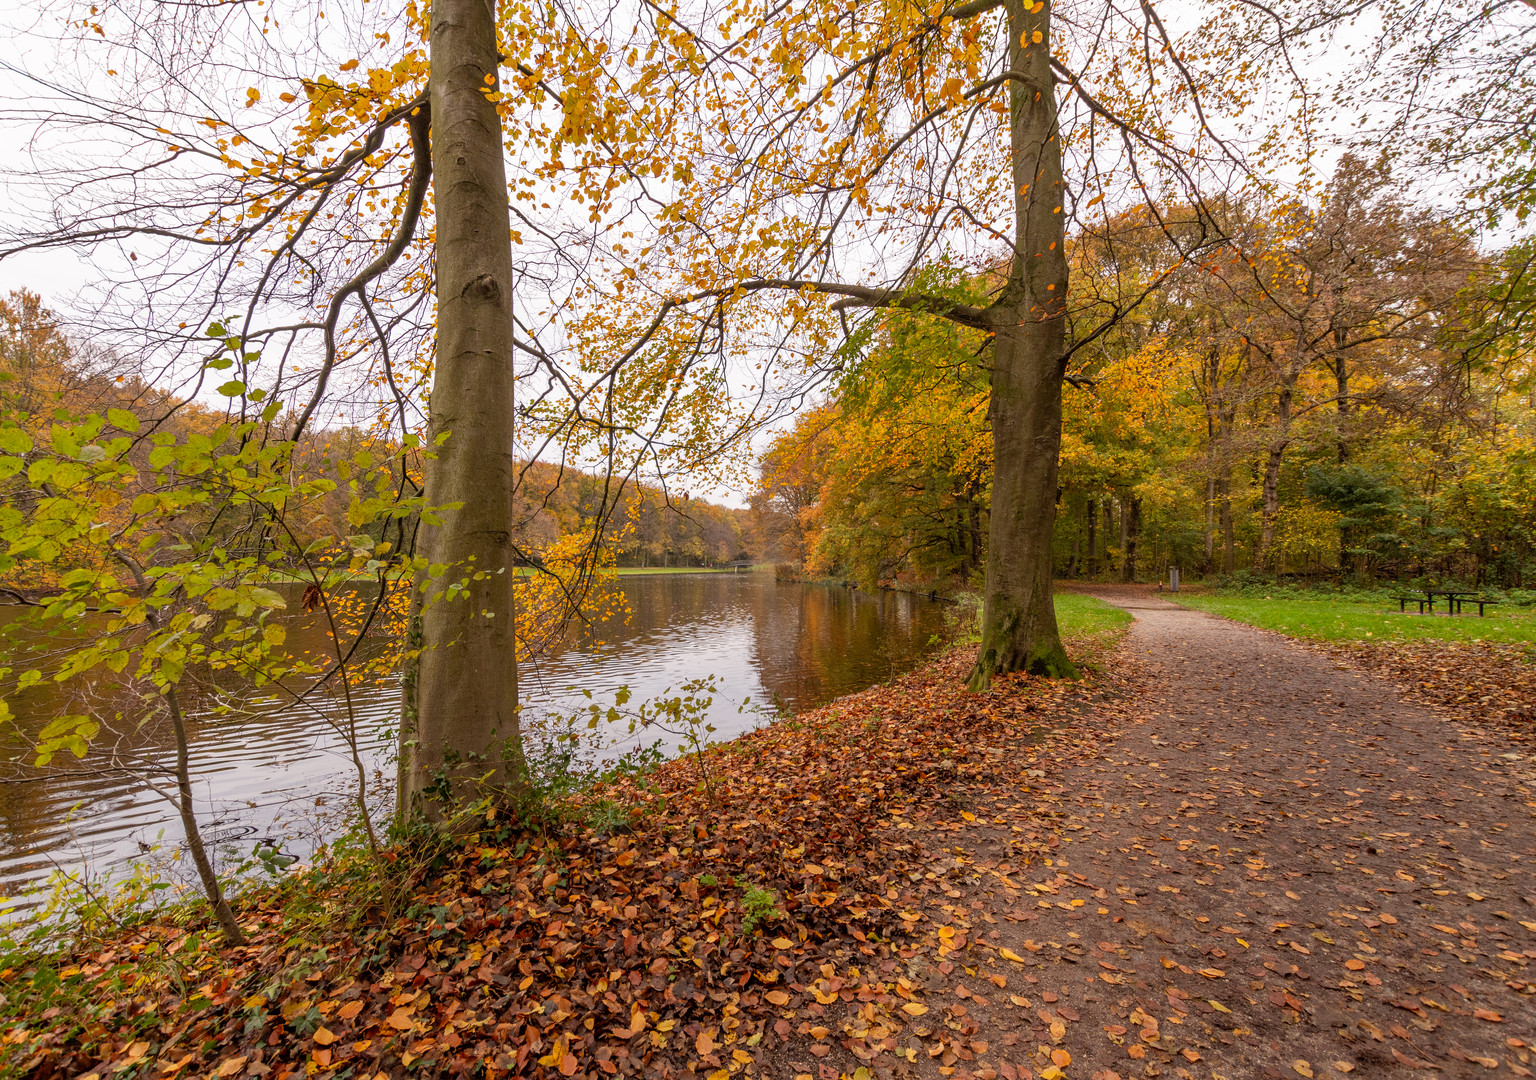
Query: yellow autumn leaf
[[1009, 954], [914, 1009]]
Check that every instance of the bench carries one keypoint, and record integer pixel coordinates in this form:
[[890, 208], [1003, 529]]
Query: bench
[[1453, 602]]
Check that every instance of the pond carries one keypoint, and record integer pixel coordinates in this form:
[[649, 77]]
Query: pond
[[280, 771]]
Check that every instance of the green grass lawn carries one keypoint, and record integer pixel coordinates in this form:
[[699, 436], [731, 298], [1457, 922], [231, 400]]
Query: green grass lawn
[[1079, 614], [1339, 619]]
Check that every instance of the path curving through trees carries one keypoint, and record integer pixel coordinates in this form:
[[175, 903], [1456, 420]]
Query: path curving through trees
[[1270, 866]]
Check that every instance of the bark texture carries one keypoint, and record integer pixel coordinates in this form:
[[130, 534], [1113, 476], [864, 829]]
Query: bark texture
[[461, 699], [1019, 631]]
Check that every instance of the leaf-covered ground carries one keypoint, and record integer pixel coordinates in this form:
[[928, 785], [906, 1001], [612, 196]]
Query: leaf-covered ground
[[1230, 857], [583, 954], [1491, 684]]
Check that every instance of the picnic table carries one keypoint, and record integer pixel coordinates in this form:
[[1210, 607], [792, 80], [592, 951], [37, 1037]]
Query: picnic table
[[1454, 599]]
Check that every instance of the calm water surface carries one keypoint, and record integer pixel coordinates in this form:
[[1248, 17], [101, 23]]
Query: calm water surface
[[282, 771]]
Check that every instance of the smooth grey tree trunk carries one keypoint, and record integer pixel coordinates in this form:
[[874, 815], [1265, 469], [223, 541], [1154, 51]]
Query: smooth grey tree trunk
[[461, 714], [1018, 631]]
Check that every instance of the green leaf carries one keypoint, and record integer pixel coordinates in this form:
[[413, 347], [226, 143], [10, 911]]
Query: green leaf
[[123, 420], [13, 440], [233, 388], [267, 598]]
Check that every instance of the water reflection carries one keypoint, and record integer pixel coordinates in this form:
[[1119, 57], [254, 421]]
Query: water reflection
[[278, 771]]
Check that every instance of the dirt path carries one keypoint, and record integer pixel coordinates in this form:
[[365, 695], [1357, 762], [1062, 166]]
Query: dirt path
[[1275, 868]]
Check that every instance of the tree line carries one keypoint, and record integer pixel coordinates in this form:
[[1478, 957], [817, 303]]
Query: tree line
[[1341, 390]]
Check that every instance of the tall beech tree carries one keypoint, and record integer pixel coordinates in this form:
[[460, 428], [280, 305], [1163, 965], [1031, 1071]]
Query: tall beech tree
[[842, 149], [346, 221], [461, 700]]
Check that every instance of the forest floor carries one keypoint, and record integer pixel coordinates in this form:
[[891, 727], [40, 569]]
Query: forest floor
[[1222, 854]]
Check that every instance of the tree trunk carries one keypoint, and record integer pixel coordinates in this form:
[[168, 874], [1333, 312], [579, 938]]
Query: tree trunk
[[1210, 524], [464, 713], [1093, 553], [1228, 417], [1130, 526], [1341, 377], [1019, 631], [1228, 539], [973, 532], [1262, 552]]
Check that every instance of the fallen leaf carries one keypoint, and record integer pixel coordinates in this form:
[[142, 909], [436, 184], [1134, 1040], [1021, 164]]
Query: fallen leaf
[[914, 1009], [325, 1036], [1213, 973], [1488, 1015], [1302, 1067], [232, 1066], [1060, 1058], [1412, 1063], [1009, 954], [777, 997], [402, 1019], [350, 1010]]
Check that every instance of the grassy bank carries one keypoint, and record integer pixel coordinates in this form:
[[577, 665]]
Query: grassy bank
[[1326, 617], [702, 918], [1079, 615]]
